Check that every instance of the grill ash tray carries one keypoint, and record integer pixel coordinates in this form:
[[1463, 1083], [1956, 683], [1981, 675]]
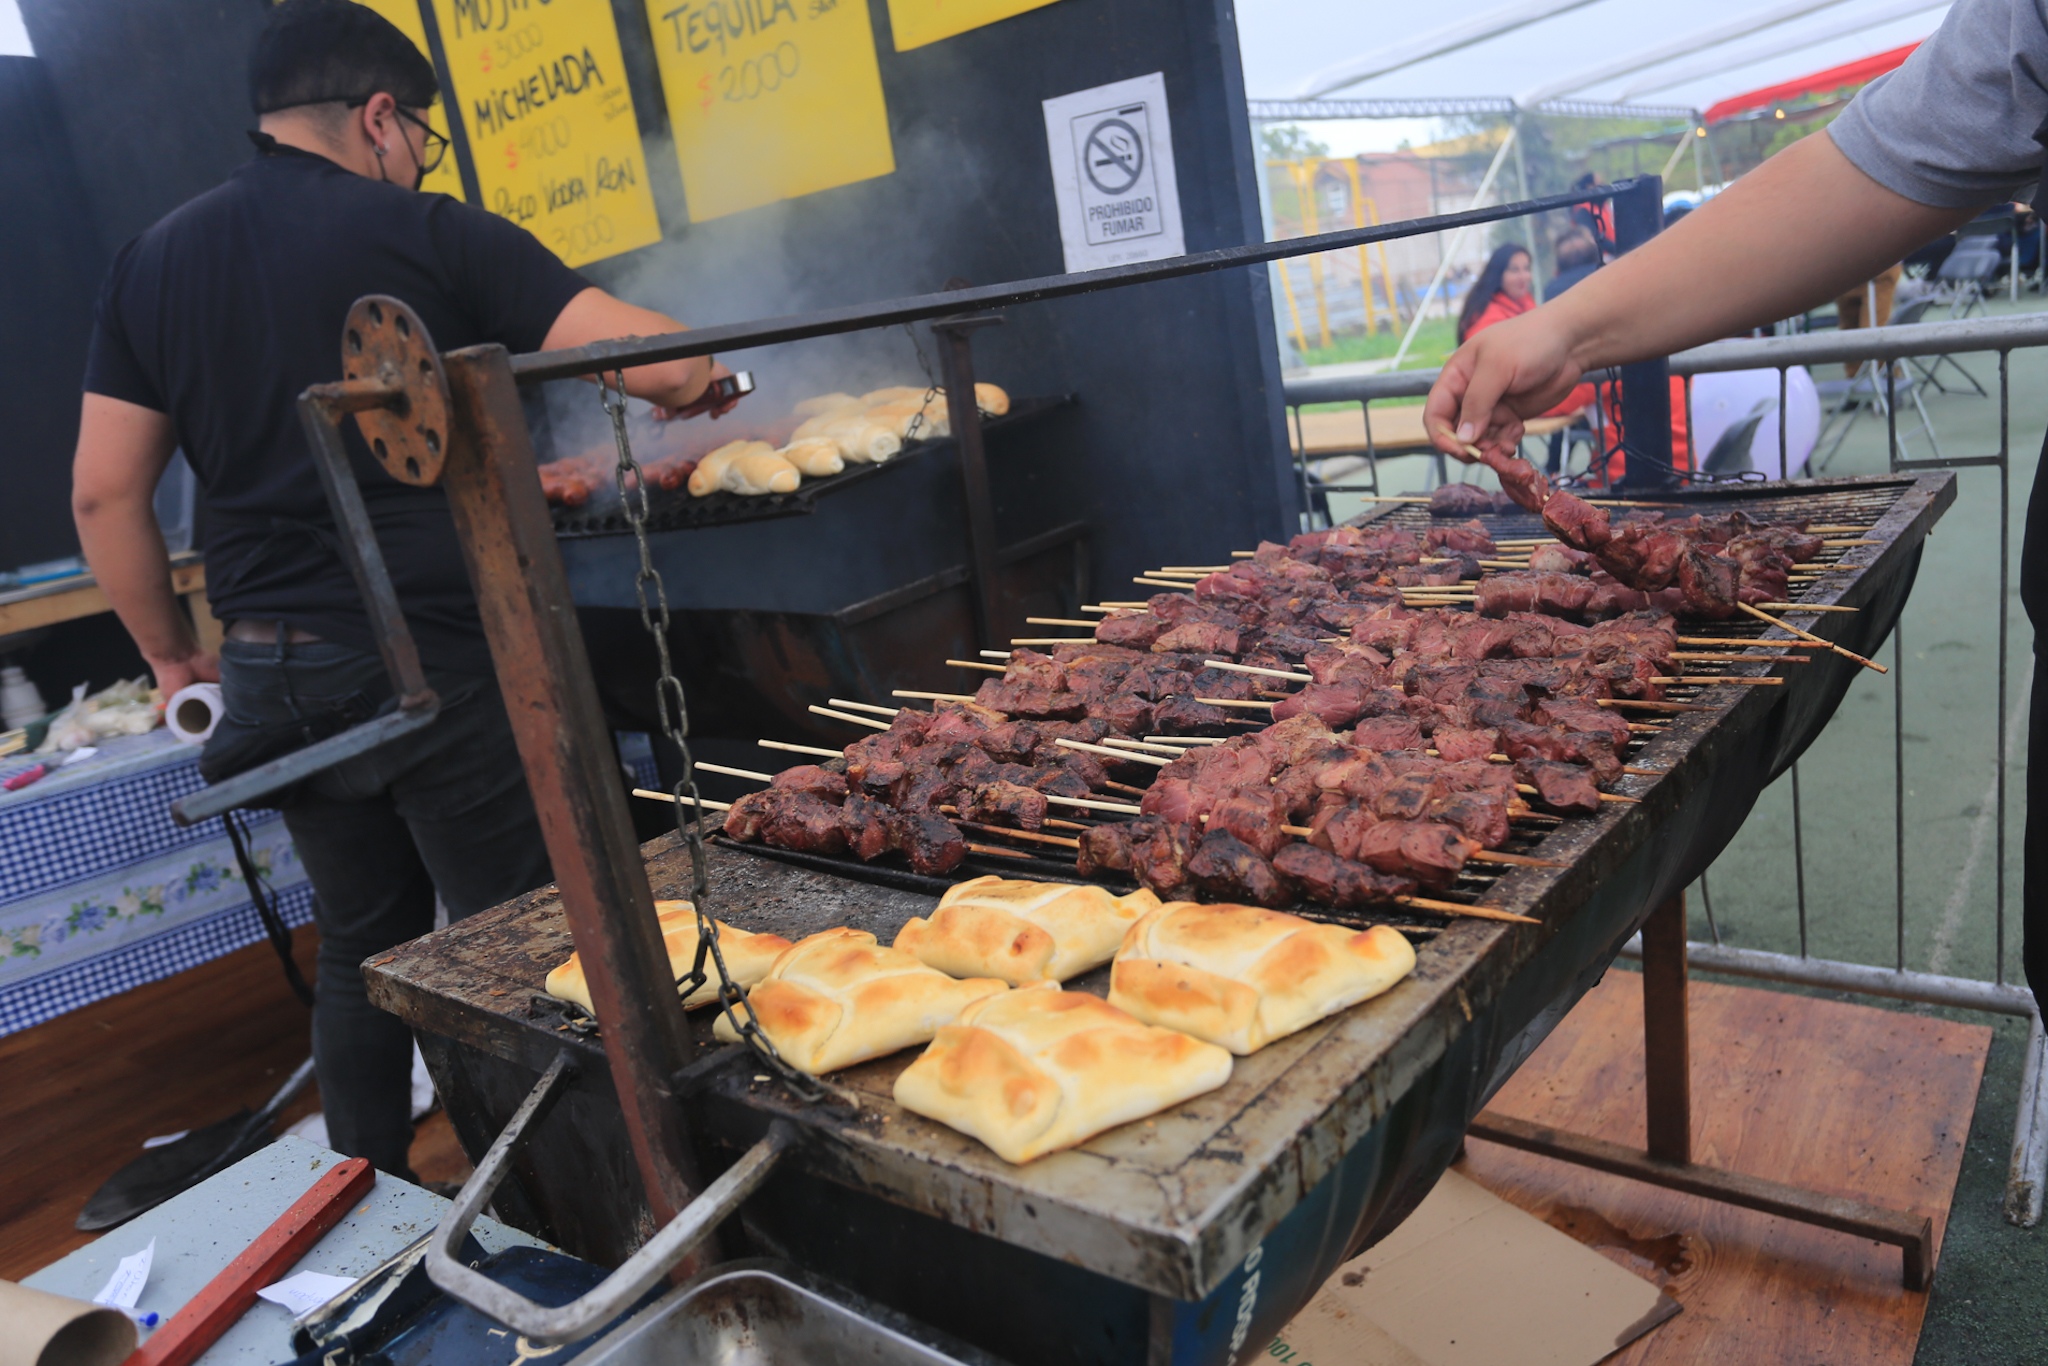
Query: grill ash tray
[[676, 510]]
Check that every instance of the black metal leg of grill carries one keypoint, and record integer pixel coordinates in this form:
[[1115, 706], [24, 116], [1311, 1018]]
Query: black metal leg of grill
[[1668, 1099]]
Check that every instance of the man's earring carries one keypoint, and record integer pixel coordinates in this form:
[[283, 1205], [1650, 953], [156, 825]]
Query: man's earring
[[380, 151]]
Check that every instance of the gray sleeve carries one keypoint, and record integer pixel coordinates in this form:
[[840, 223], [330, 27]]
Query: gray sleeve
[[1954, 127]]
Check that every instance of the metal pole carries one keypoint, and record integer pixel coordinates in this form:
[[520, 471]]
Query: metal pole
[[2004, 587], [1645, 385], [1450, 253], [1522, 184], [956, 358], [537, 649], [1667, 1058]]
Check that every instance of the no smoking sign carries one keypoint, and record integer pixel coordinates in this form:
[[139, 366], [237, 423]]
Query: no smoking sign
[[1112, 154]]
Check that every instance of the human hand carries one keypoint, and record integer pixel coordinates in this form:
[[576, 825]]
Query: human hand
[[702, 404], [174, 675], [1512, 370]]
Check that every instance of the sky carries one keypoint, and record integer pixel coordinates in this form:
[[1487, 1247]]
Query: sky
[[1285, 41]]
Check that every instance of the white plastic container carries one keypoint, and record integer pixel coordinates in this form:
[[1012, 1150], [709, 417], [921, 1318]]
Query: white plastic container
[[20, 703]]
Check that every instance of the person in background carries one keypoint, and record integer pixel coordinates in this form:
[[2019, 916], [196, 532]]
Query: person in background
[[1920, 151], [208, 327], [1505, 289], [1876, 294], [1596, 216], [1578, 256]]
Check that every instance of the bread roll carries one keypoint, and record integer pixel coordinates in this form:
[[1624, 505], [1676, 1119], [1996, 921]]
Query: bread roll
[[1030, 1072], [761, 471], [1023, 931], [1243, 977], [838, 998], [814, 457], [913, 420], [747, 957], [991, 399], [894, 394], [860, 440], [825, 403], [709, 476]]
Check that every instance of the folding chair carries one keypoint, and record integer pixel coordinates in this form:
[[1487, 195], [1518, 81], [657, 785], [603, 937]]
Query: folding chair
[[1912, 311], [1844, 400], [1966, 271]]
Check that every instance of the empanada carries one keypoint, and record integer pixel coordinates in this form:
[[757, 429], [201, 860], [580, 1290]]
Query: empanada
[[747, 957], [1023, 931]]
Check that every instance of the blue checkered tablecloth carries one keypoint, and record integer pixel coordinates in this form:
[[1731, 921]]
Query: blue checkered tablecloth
[[101, 891]]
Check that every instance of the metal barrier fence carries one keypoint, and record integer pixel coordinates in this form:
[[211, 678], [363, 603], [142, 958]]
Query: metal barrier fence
[[1882, 347]]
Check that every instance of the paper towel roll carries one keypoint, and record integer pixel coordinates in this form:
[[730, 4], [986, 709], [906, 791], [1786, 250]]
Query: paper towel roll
[[193, 712], [41, 1329]]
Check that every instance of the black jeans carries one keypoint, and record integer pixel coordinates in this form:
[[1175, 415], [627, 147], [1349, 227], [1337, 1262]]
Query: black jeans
[[445, 809]]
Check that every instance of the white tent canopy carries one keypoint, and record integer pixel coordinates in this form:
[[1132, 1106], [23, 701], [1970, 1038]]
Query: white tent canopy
[[1480, 27], [1842, 27]]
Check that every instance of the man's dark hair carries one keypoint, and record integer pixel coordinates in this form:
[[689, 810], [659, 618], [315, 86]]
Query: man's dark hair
[[326, 51], [1576, 247]]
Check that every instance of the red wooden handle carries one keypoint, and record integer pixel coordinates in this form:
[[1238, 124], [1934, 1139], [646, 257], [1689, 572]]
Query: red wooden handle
[[228, 1296]]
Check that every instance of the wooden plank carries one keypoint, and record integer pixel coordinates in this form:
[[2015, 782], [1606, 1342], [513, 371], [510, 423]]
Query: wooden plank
[[1848, 1100], [81, 596]]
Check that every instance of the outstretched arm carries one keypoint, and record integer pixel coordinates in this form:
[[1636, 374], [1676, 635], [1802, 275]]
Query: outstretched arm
[[1805, 226], [595, 315]]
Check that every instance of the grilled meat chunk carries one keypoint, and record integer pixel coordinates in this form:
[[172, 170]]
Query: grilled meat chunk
[[1230, 870], [1338, 883]]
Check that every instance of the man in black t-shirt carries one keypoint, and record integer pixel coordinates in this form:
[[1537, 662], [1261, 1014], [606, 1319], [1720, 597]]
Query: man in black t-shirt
[[209, 326]]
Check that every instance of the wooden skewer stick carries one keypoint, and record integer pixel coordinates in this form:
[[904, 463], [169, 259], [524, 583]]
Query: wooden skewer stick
[[1052, 640], [931, 696], [1836, 530], [1135, 606], [1059, 621], [977, 664], [1231, 702], [1114, 753], [995, 654], [1743, 659], [1516, 860], [863, 706], [670, 796], [1194, 568], [1645, 726], [735, 772], [1604, 796], [1121, 743], [801, 749], [1650, 706], [1808, 635], [1249, 669], [1188, 739], [1720, 681], [1060, 840], [1738, 642], [848, 716], [973, 848], [1846, 544], [1242, 554], [1423, 903], [1160, 583], [1801, 607], [1086, 805], [1125, 787]]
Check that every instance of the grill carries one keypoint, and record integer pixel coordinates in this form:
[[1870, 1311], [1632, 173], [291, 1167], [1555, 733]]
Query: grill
[[1214, 1220], [676, 510]]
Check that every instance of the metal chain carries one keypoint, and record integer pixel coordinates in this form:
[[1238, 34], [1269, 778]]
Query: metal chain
[[675, 724], [932, 388]]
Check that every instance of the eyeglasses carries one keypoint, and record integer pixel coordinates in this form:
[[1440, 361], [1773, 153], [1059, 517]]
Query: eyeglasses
[[436, 145]]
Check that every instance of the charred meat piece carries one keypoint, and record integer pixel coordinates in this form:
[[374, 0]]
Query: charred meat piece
[[1159, 857], [1561, 787], [1558, 559], [1346, 663], [821, 783], [1137, 630], [1519, 480], [1185, 716], [1105, 849], [1002, 803], [1576, 522], [1335, 882], [1387, 732], [1230, 870], [1030, 702], [1253, 815], [1294, 740], [1125, 714], [797, 820], [933, 844], [1709, 583], [1557, 595], [749, 816], [1464, 500], [870, 827], [1565, 714], [1431, 854], [1453, 745], [1480, 817], [1033, 669], [1014, 742], [1201, 637], [1171, 799], [1336, 705], [1472, 537]]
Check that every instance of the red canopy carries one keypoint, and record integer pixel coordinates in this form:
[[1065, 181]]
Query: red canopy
[[1819, 83]]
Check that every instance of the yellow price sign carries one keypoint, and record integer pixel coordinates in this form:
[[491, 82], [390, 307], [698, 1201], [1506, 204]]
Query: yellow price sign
[[542, 90], [770, 99], [917, 22], [405, 16]]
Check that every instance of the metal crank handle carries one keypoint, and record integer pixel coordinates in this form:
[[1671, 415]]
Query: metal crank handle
[[619, 1290]]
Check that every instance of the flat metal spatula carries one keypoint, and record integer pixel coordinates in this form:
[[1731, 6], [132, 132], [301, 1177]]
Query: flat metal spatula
[[162, 1172]]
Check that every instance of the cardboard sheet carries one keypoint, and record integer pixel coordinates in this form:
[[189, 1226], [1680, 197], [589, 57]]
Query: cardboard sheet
[[1470, 1280]]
